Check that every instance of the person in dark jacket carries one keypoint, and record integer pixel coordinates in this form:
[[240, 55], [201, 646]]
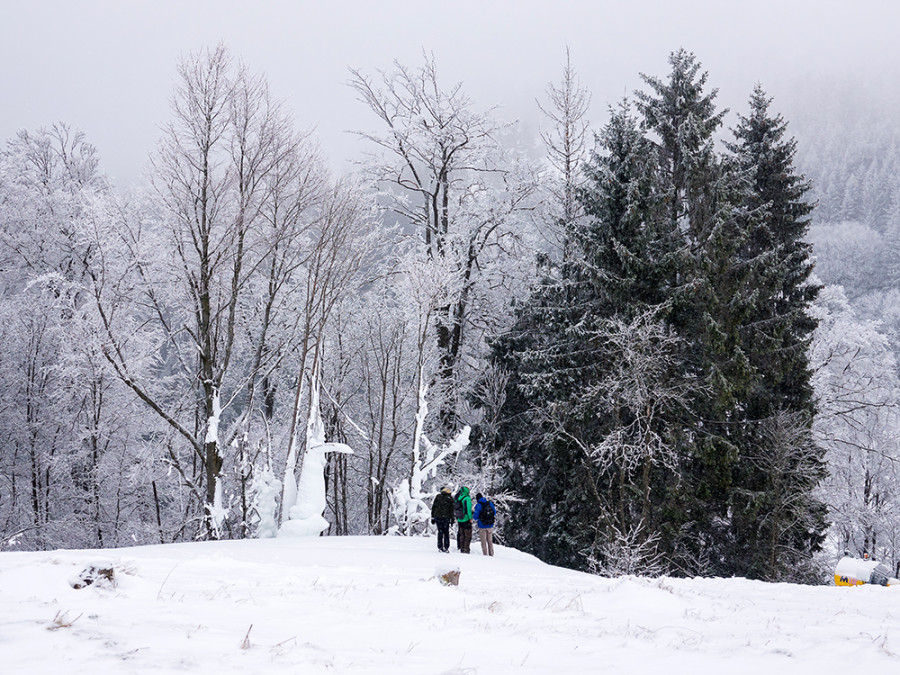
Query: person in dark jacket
[[484, 515], [441, 515], [463, 519]]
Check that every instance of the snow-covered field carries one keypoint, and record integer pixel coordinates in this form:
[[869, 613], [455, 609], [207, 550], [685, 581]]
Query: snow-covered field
[[373, 605]]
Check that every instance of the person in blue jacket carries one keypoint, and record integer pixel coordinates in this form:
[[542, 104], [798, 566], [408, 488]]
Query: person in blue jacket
[[484, 514]]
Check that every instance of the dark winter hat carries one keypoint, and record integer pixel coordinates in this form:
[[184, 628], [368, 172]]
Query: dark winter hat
[[478, 495]]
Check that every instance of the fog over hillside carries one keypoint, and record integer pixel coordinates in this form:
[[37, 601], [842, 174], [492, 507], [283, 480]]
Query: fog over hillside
[[108, 67]]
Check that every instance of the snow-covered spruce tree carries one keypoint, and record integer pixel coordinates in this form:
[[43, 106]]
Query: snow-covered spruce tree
[[704, 197], [554, 519], [773, 539], [579, 455]]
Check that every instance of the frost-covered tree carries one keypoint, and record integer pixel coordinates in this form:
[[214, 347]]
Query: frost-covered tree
[[386, 359], [857, 423], [790, 515], [213, 261], [775, 337], [576, 442], [341, 241], [69, 460], [566, 105], [425, 286], [446, 175]]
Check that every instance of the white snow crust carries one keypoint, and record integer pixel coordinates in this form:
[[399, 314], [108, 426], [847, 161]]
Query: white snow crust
[[373, 605]]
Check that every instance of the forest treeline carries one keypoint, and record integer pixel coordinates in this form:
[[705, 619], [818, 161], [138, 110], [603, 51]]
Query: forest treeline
[[625, 343]]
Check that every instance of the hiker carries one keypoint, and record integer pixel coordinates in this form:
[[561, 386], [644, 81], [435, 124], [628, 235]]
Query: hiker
[[441, 515], [484, 515], [462, 507]]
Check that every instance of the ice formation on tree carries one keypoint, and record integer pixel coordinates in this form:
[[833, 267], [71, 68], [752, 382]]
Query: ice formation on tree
[[408, 498], [305, 517], [265, 489], [217, 511]]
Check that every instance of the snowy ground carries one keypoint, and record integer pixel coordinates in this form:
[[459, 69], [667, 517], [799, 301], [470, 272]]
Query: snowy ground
[[373, 605]]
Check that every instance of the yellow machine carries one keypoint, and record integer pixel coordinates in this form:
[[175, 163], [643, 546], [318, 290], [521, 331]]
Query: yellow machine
[[857, 572]]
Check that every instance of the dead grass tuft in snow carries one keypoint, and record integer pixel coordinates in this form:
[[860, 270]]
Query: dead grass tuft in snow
[[61, 620]]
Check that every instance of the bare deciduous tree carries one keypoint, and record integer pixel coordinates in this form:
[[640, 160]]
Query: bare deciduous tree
[[342, 241], [784, 455], [566, 143], [442, 164], [232, 182], [857, 423], [633, 405]]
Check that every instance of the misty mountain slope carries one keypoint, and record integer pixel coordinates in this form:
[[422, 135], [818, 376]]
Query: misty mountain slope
[[373, 605]]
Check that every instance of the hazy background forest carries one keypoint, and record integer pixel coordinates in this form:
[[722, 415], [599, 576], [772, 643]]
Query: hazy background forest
[[202, 271]]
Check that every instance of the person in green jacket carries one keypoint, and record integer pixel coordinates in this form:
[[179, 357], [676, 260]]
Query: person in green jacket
[[463, 511]]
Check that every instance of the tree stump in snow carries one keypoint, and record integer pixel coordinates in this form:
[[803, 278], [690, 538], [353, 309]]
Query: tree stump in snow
[[105, 575], [449, 577]]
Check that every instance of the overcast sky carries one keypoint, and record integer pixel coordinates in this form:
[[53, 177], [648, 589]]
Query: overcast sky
[[107, 66]]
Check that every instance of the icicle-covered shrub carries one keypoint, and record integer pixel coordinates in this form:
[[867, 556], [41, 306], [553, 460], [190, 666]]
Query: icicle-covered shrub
[[265, 489]]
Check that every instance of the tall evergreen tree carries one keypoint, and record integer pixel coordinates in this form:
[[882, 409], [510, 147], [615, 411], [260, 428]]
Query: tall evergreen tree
[[684, 117], [704, 195], [659, 399], [575, 442], [773, 538], [633, 253]]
